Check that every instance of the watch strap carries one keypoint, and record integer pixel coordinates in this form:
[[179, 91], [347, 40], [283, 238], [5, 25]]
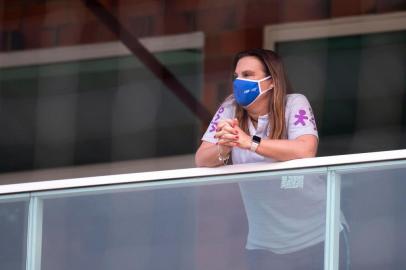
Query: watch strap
[[255, 143]]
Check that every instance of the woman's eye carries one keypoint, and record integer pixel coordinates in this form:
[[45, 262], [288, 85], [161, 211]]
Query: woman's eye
[[247, 74]]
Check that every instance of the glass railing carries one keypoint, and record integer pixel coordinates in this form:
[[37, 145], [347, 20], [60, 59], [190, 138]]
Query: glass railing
[[349, 207]]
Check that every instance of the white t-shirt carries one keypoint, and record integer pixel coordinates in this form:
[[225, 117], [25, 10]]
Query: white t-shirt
[[287, 213]]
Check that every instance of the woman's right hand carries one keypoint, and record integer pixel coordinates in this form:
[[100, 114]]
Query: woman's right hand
[[208, 153], [226, 135]]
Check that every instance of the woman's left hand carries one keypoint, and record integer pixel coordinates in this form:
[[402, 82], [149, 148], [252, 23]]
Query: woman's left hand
[[244, 140]]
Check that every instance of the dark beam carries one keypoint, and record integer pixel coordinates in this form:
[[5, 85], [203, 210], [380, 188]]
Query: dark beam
[[149, 60]]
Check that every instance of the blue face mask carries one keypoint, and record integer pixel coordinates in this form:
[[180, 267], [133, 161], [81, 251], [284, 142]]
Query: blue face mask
[[247, 91]]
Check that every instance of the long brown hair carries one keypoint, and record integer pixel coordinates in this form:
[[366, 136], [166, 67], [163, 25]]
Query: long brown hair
[[273, 67]]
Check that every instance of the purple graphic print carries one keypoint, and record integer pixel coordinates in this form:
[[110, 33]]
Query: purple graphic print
[[213, 123], [301, 117], [312, 120]]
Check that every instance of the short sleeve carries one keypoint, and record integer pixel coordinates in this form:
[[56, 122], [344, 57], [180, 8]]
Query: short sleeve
[[226, 111], [300, 117]]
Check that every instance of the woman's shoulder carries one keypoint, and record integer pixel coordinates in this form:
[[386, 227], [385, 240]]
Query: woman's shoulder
[[295, 97], [295, 101], [228, 104], [226, 109]]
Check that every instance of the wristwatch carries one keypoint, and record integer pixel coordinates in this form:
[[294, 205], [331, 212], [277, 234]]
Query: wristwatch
[[255, 143]]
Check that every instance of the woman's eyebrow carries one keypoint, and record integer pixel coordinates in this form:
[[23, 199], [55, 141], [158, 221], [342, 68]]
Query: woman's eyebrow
[[248, 72]]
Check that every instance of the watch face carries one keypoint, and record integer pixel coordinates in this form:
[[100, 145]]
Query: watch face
[[256, 139]]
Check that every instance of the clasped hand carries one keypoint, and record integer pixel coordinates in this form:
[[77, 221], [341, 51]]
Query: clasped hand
[[229, 134]]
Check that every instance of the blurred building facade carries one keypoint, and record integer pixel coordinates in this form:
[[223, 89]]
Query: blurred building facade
[[76, 86], [98, 87]]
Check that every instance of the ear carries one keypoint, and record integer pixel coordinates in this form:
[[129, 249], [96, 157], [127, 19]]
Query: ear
[[272, 85], [266, 84]]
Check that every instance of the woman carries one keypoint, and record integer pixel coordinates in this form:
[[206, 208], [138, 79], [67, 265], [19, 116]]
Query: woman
[[240, 126], [261, 122]]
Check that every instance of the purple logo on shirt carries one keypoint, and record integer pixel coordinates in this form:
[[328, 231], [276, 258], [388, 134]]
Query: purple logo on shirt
[[312, 120], [301, 117], [213, 123]]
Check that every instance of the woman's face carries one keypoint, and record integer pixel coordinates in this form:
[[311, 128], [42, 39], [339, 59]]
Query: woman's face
[[250, 67]]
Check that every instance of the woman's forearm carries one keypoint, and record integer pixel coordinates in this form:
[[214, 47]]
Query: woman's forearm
[[283, 150], [207, 156]]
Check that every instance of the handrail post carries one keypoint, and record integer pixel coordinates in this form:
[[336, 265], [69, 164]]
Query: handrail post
[[333, 211], [34, 234]]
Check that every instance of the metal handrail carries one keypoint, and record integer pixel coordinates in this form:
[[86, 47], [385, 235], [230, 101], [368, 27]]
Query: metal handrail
[[94, 181]]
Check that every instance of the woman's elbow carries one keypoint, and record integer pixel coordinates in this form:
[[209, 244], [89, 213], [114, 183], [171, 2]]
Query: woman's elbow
[[309, 151], [201, 159], [308, 147], [198, 162]]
